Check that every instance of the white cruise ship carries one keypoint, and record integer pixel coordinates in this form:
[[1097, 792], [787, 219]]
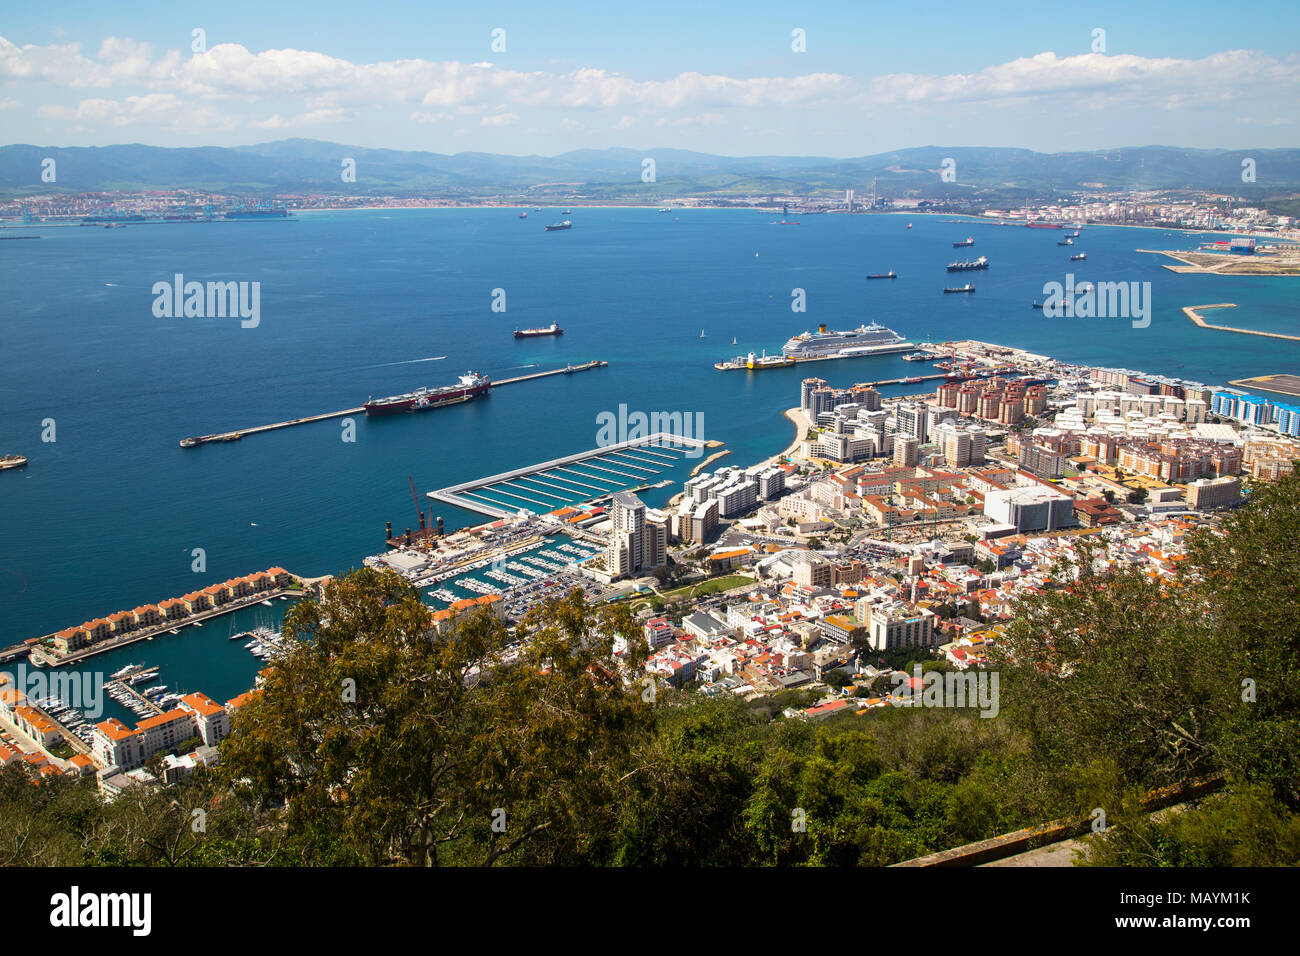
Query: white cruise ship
[[827, 343]]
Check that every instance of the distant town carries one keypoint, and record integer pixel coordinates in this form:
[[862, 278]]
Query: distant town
[[1168, 209]]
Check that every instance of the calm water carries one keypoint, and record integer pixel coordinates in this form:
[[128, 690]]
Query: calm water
[[356, 304]]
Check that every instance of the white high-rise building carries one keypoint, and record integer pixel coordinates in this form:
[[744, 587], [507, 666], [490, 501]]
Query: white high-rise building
[[639, 540]]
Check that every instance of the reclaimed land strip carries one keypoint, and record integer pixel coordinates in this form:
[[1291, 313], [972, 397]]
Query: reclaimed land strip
[[1282, 383], [708, 461], [1222, 264], [241, 432], [1193, 312]]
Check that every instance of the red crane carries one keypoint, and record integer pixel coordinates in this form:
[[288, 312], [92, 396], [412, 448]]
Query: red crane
[[416, 498]]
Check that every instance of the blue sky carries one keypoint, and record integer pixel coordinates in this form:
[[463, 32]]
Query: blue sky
[[713, 77]]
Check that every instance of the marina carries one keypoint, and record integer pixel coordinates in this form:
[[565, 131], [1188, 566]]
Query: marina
[[582, 477]]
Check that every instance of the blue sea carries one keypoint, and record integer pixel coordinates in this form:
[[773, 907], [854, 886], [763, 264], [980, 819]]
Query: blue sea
[[371, 303]]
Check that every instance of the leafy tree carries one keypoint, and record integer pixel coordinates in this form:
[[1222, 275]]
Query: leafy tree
[[417, 749]]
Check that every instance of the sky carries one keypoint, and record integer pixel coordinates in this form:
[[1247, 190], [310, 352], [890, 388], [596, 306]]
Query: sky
[[835, 79]]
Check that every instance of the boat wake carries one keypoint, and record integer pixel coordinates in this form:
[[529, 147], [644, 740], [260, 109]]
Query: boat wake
[[435, 358]]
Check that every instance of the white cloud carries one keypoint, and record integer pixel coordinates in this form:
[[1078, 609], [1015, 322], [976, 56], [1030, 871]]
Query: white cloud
[[327, 89]]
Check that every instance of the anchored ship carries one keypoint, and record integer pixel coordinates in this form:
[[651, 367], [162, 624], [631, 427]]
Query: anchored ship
[[555, 226], [891, 274], [524, 214], [1079, 258], [826, 343], [970, 265], [552, 329], [469, 386], [968, 241], [964, 288], [754, 362], [1066, 242]]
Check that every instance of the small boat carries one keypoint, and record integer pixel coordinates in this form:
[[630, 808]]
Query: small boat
[[701, 333], [267, 603], [1036, 305], [523, 215], [909, 225], [964, 288], [733, 341], [891, 274]]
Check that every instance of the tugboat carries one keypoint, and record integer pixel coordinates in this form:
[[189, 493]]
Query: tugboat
[[556, 226], [552, 329]]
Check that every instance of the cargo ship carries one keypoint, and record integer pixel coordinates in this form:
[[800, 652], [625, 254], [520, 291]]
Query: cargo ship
[[556, 226], [257, 212], [968, 241], [552, 329], [964, 288], [1044, 225], [891, 274], [469, 386], [1066, 242], [970, 265], [12, 461], [1079, 258]]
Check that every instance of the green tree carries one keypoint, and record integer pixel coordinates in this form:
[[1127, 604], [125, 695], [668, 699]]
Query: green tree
[[417, 749]]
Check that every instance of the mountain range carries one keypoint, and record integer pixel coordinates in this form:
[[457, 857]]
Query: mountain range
[[313, 166]]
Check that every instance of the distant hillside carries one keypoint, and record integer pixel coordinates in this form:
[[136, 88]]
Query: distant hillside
[[299, 165]]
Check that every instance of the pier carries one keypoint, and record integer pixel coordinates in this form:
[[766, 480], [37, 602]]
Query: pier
[[239, 433], [587, 476], [1193, 312]]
